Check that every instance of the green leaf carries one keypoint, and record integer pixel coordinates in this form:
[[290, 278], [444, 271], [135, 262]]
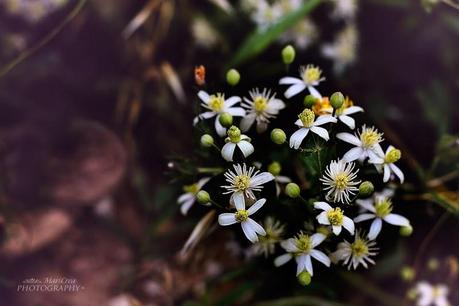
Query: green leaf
[[260, 40]]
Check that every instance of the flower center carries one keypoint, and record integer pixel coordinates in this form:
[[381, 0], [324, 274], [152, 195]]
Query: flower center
[[241, 182], [259, 104], [304, 243], [193, 188], [392, 156], [383, 207], [341, 181], [216, 102], [311, 74], [307, 117], [335, 216], [370, 137], [234, 134], [359, 248], [241, 215]]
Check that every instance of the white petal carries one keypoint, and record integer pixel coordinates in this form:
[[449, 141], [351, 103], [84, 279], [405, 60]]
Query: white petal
[[322, 205], [336, 229], [249, 232], [321, 132], [322, 218], [236, 111], [317, 239], [185, 207], [350, 122], [348, 224], [289, 81], [375, 228], [364, 217], [247, 122], [314, 92], [297, 138], [276, 104], [228, 151], [352, 110], [367, 204], [386, 176], [226, 219], [395, 219], [397, 172], [261, 127], [221, 131], [256, 206], [289, 245], [207, 115], [246, 147], [299, 123], [202, 182], [185, 197], [261, 179], [320, 256], [294, 89], [282, 260], [324, 119], [353, 154], [283, 179], [239, 201], [308, 265], [257, 227], [204, 96], [349, 138], [231, 101]]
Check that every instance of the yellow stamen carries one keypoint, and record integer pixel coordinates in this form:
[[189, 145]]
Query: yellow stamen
[[217, 102], [260, 103], [392, 156], [242, 182], [359, 248], [311, 74], [335, 216], [383, 207], [307, 117], [341, 181], [241, 215], [370, 137]]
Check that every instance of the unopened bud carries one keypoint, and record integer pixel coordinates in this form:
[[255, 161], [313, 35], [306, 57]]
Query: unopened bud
[[207, 140], [233, 77], [288, 54], [278, 136], [203, 197], [337, 100], [366, 189], [292, 190], [226, 119], [304, 278]]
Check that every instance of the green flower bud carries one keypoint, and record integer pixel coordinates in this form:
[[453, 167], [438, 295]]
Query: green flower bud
[[233, 77], [203, 197], [337, 100], [406, 231], [288, 55], [274, 168], [393, 156], [278, 136], [207, 140], [433, 264], [226, 119], [234, 134], [292, 190], [304, 278], [366, 189], [309, 101], [407, 273]]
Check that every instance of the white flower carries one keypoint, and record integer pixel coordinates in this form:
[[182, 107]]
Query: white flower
[[343, 50], [217, 105], [302, 34], [387, 164], [236, 139], [249, 227], [274, 232], [265, 14], [260, 108], [244, 183], [302, 247], [380, 209], [203, 32], [334, 217], [340, 181], [345, 9], [187, 199], [366, 144], [307, 122], [430, 295], [310, 76], [356, 253]]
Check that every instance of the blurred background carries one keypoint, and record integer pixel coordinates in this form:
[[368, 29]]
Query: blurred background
[[96, 98]]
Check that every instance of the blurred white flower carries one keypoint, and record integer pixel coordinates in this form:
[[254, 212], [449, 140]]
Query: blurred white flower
[[250, 228], [334, 217], [302, 34], [386, 163], [344, 9], [203, 33], [302, 248], [310, 75], [265, 14], [340, 181], [432, 295], [307, 122], [261, 106], [355, 253], [187, 199], [379, 209], [366, 144], [274, 232], [343, 50]]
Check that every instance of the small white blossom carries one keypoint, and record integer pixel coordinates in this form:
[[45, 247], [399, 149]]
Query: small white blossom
[[236, 139], [261, 107], [187, 199], [217, 105], [343, 50], [431, 295], [340, 181], [386, 163], [245, 182], [203, 32], [310, 75], [302, 248], [265, 14], [344, 9], [274, 232], [302, 34], [379, 209], [366, 144], [307, 122], [334, 217], [250, 228], [355, 253]]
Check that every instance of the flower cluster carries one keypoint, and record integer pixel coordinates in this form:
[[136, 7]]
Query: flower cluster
[[333, 178]]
